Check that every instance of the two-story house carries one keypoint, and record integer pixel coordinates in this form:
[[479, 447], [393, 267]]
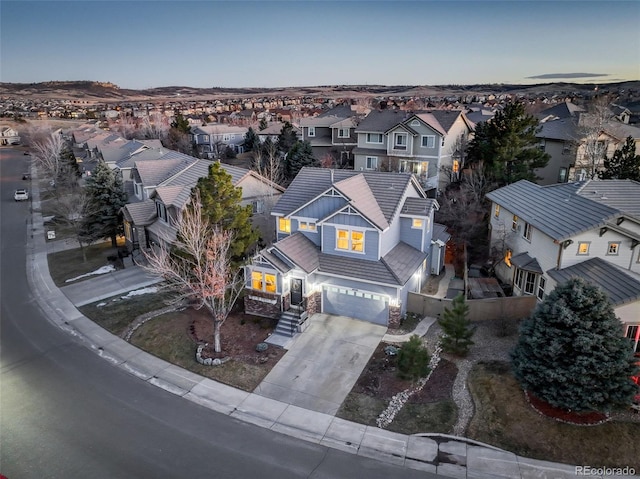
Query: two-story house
[[424, 144], [349, 243], [211, 140], [547, 234], [9, 136], [163, 188], [332, 133]]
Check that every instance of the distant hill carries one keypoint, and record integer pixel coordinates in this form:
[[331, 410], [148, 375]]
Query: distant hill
[[93, 91]]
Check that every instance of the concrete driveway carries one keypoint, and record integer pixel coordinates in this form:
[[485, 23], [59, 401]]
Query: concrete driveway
[[323, 363]]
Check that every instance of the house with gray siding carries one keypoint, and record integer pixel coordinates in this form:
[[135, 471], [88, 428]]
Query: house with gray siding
[[350, 243], [332, 134], [426, 144], [211, 140], [547, 234]]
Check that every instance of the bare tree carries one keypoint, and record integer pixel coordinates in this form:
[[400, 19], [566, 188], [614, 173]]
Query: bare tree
[[69, 207], [46, 148], [125, 126], [155, 126], [592, 148], [199, 268]]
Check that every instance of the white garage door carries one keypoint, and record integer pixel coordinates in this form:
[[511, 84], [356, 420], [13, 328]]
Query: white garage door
[[355, 304]]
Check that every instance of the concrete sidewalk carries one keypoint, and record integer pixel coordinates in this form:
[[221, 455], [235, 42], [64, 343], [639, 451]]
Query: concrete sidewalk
[[445, 455]]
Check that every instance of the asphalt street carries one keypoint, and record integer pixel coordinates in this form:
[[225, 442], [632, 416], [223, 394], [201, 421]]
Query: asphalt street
[[67, 413]]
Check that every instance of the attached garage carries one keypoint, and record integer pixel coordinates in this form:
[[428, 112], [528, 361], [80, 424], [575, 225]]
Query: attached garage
[[355, 304]]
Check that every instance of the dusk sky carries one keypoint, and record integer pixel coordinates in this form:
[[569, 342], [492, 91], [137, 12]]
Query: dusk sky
[[144, 44]]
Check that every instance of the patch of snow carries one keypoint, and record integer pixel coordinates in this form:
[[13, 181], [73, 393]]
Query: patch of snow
[[102, 270], [138, 292], [100, 305]]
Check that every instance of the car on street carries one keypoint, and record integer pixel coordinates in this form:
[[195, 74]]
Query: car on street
[[21, 195], [26, 175]]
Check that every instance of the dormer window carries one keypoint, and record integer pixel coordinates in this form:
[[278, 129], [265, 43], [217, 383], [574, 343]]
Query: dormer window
[[284, 225]]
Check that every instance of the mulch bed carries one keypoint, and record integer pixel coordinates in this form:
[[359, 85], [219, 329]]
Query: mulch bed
[[570, 417], [380, 379], [240, 334]]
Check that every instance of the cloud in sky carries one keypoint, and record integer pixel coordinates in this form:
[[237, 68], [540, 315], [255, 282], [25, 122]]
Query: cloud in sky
[[549, 76]]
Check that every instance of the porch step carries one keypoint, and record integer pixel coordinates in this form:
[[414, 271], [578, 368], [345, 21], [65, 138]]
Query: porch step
[[288, 323]]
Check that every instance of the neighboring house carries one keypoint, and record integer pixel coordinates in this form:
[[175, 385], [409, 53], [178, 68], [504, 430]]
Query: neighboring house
[[273, 130], [561, 134], [546, 234], [9, 136], [349, 243], [211, 140], [163, 187], [425, 144], [332, 133]]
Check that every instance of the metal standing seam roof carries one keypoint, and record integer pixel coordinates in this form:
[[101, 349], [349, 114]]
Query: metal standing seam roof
[[623, 195], [556, 210], [619, 286], [387, 188]]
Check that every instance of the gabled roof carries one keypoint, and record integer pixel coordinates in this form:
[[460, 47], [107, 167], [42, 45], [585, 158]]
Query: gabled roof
[[623, 195], [447, 118], [387, 189], [556, 210], [440, 233], [142, 213], [379, 121], [154, 172], [565, 110], [430, 120], [527, 263], [620, 287], [328, 118], [403, 260], [361, 198], [560, 129], [418, 206], [169, 194], [300, 250]]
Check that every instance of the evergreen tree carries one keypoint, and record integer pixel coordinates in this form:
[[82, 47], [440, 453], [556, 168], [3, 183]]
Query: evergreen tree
[[300, 155], [413, 359], [624, 165], [180, 123], [287, 138], [221, 205], [263, 124], [105, 198], [251, 140], [457, 327], [572, 354], [507, 146]]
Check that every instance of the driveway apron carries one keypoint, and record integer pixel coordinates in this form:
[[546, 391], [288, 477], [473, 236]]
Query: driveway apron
[[323, 364]]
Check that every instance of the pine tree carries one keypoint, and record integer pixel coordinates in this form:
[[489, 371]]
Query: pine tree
[[507, 146], [413, 359], [105, 199], [572, 354], [624, 165], [251, 140], [263, 124], [180, 123], [221, 203], [287, 138], [457, 327], [300, 155]]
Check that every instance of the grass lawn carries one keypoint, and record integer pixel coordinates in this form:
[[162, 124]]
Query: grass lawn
[[116, 314], [504, 419], [68, 264]]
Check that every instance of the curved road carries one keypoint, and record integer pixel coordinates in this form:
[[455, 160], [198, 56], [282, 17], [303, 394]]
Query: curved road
[[67, 413]]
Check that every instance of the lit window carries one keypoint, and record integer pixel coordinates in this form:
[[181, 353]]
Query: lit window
[[284, 225], [270, 280], [613, 248], [357, 241], [312, 131], [507, 257], [306, 225], [456, 166], [256, 280], [541, 284], [343, 239], [496, 211], [350, 241], [416, 223], [428, 141], [514, 223], [583, 248], [527, 232]]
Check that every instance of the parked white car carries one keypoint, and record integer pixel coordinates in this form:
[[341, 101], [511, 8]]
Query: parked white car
[[21, 195]]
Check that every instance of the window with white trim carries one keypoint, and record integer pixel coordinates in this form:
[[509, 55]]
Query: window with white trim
[[632, 334], [519, 277], [263, 281], [514, 223], [284, 225], [350, 240], [312, 131], [400, 141], [258, 206], [417, 223], [161, 211], [374, 138], [613, 248], [496, 211], [583, 248], [541, 285], [343, 133], [530, 283], [371, 163], [226, 137], [307, 226], [428, 141], [526, 232]]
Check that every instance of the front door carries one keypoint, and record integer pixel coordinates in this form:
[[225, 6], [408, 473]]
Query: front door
[[296, 291]]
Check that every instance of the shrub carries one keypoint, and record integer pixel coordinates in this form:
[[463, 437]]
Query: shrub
[[413, 359]]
